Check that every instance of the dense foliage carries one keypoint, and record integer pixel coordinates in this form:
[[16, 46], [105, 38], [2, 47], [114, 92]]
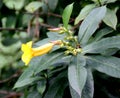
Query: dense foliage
[[71, 48]]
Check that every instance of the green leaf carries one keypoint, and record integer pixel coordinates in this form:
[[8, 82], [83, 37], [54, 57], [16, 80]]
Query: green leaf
[[90, 24], [110, 18], [84, 12], [33, 6], [5, 60], [104, 1], [81, 61], [110, 51], [77, 77], [56, 87], [7, 50], [52, 4], [34, 94], [14, 4], [25, 82], [9, 21], [102, 33], [41, 86], [110, 1], [88, 89], [39, 64], [102, 45], [66, 14], [106, 64], [47, 61]]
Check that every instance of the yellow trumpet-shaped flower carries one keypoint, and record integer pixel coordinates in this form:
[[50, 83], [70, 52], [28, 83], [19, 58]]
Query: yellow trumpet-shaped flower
[[29, 52]]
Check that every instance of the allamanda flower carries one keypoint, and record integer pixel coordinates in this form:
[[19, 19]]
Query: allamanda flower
[[29, 52]]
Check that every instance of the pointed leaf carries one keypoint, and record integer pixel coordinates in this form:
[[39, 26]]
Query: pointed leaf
[[56, 87], [102, 45], [25, 82], [84, 12], [77, 78], [14, 4], [66, 14], [110, 18], [48, 61], [90, 24], [102, 33], [81, 61], [88, 90], [105, 64]]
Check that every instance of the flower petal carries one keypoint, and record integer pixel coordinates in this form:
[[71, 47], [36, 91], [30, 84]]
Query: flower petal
[[26, 58]]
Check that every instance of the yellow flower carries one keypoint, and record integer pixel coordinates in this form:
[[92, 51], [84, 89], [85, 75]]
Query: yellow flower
[[29, 52]]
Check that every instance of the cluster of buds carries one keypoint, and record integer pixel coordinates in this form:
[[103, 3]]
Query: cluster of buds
[[70, 42]]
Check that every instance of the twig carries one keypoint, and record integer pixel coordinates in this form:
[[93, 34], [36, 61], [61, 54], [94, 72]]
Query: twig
[[37, 33], [10, 94], [17, 74], [12, 29]]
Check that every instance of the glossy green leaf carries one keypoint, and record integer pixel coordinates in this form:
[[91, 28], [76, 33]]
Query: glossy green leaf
[[33, 6], [90, 24], [110, 18], [102, 45], [105, 64], [77, 77], [84, 12], [66, 14], [14, 4], [88, 89]]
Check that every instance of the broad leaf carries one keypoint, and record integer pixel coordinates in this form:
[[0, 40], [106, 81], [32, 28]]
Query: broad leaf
[[105, 64], [110, 51], [81, 61], [47, 61], [84, 12], [88, 90], [25, 82], [33, 6], [41, 86], [52, 4], [57, 86], [34, 94], [102, 33], [66, 14], [110, 18], [104, 1], [28, 74], [14, 4], [102, 45], [77, 78], [90, 24]]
